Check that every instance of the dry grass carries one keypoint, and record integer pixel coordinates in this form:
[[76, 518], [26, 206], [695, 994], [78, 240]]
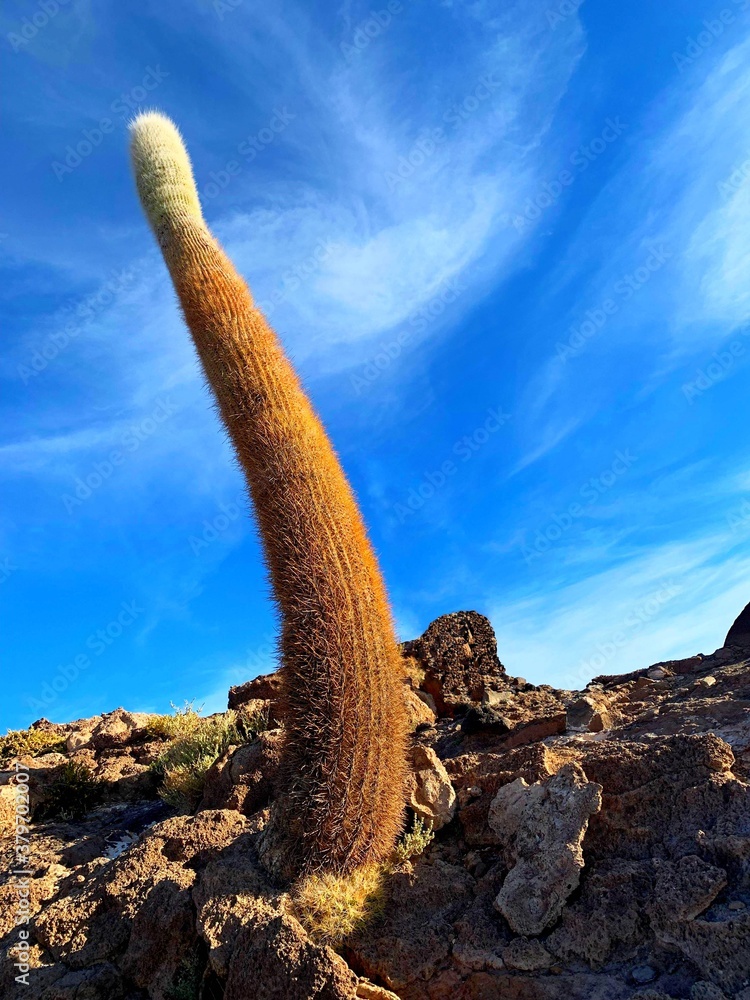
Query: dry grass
[[195, 744], [332, 907], [30, 742]]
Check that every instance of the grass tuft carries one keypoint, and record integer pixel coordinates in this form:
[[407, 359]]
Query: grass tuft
[[195, 744], [30, 743], [331, 907], [73, 793]]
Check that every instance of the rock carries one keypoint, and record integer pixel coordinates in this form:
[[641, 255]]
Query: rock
[[705, 682], [418, 710], [275, 960], [590, 713], [706, 991], [738, 636], [553, 820], [458, 653], [429, 790], [369, 991], [246, 777], [488, 721], [527, 954], [607, 923], [657, 673], [230, 893], [101, 982], [683, 890], [266, 688], [415, 929], [117, 728], [94, 922], [643, 974], [717, 943]]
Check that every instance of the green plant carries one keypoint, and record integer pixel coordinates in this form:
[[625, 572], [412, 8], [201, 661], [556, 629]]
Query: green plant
[[195, 744], [30, 742], [414, 842], [73, 793], [345, 722], [188, 980]]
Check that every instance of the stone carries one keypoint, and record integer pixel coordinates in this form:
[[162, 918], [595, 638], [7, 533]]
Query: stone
[[683, 890], [590, 713], [246, 777], [429, 790], [738, 636], [705, 682], [527, 955], [458, 653], [266, 689], [554, 818], [275, 960], [703, 990], [643, 974], [415, 928], [115, 729], [369, 991], [418, 710]]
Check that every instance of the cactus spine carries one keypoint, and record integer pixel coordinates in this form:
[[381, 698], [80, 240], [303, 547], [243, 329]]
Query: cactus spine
[[345, 723]]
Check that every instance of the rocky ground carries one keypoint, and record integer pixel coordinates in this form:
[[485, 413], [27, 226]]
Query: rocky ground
[[590, 845]]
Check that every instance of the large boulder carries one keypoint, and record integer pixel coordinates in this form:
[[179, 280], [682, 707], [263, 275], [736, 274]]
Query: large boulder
[[458, 654], [543, 825]]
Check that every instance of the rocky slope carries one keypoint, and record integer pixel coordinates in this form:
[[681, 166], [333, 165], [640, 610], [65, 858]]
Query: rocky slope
[[590, 845]]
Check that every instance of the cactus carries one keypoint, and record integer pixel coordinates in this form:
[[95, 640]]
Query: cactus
[[345, 724]]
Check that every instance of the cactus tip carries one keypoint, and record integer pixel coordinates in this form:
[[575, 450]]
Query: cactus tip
[[163, 172]]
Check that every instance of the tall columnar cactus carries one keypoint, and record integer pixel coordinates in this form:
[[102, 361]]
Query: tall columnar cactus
[[345, 722]]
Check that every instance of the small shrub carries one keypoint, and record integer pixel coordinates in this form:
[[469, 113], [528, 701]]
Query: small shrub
[[73, 793], [331, 907], [196, 743], [30, 742], [414, 842], [188, 980]]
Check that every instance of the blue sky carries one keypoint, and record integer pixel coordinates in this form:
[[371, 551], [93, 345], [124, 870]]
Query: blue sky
[[507, 247]]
